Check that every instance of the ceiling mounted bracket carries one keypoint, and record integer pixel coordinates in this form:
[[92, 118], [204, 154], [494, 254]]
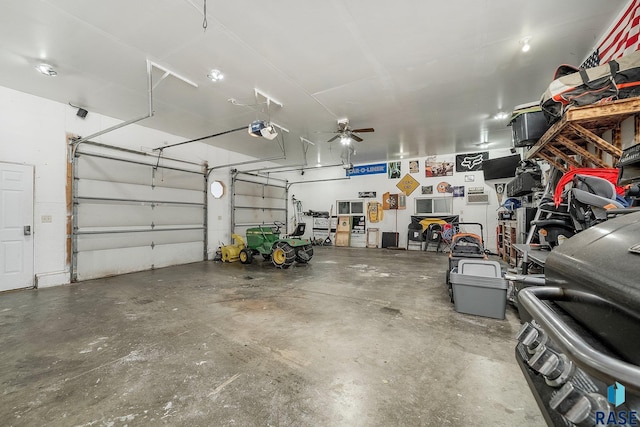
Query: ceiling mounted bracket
[[269, 99], [150, 87], [167, 73], [305, 147]]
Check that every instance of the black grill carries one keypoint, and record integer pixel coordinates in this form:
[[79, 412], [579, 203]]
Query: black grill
[[585, 336]]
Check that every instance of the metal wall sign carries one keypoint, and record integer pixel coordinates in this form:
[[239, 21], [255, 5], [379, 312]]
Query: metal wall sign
[[475, 190], [372, 169], [366, 194]]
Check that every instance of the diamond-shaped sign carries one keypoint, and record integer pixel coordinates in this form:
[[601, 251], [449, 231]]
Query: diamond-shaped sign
[[408, 184]]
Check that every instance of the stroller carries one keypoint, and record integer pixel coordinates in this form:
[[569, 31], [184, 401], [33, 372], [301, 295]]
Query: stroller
[[464, 246]]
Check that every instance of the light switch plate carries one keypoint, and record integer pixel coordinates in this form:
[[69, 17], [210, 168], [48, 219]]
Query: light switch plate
[[46, 219]]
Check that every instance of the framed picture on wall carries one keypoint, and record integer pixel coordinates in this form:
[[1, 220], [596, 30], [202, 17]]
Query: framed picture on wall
[[414, 166], [458, 191], [394, 170]]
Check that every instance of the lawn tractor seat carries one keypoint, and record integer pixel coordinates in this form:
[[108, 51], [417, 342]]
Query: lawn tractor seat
[[590, 198], [299, 231]]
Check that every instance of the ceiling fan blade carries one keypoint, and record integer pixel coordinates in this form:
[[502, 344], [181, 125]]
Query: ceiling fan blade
[[363, 130], [334, 138], [357, 138]]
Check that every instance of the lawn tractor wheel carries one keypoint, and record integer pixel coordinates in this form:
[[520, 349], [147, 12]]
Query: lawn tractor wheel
[[246, 256], [283, 255], [304, 253]]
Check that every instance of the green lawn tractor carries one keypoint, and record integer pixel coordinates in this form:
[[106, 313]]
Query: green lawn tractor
[[266, 241]]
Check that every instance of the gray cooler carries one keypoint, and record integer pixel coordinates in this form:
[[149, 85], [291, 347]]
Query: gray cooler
[[478, 288]]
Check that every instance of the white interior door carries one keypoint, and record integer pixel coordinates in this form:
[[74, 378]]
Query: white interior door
[[16, 226]]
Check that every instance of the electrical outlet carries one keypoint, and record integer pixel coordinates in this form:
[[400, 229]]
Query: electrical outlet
[[45, 219]]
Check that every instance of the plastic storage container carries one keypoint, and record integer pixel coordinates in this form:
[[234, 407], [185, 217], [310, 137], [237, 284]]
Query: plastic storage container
[[478, 288], [528, 124]]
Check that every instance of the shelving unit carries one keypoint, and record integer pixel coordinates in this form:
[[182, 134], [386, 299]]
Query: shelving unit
[[576, 139], [507, 238]]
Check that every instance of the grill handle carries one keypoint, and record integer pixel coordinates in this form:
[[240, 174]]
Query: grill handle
[[592, 361]]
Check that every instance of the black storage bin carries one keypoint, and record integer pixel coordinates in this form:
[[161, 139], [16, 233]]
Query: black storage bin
[[389, 240], [528, 124]]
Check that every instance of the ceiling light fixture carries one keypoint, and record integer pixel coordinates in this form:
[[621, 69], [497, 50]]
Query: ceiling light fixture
[[215, 75], [46, 69], [501, 115], [525, 44], [345, 140]]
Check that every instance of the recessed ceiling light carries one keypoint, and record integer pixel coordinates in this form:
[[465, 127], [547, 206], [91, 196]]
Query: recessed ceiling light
[[46, 69], [215, 75], [501, 115], [526, 46]]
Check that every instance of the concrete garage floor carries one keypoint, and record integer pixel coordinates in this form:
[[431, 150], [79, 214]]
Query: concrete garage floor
[[359, 337]]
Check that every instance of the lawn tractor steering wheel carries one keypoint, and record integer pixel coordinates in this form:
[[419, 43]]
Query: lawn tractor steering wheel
[[278, 225]]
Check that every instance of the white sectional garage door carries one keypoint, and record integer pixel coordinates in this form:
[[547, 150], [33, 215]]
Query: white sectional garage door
[[257, 200], [134, 213]]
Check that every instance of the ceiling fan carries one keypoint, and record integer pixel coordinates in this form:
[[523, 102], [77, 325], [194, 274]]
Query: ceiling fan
[[346, 134]]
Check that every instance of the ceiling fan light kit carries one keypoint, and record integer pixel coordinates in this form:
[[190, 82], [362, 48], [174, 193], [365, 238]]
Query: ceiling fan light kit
[[346, 134]]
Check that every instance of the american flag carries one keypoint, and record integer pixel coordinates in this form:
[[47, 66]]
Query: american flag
[[621, 37]]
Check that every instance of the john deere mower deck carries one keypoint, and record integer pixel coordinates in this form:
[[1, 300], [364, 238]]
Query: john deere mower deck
[[283, 252]]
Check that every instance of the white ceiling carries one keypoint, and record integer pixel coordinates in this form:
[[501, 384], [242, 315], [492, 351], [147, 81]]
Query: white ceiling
[[428, 75]]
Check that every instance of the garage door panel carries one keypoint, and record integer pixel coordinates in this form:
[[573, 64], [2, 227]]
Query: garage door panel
[[95, 264], [102, 241], [259, 202], [131, 216], [115, 215], [178, 179], [254, 216], [102, 263], [180, 253], [100, 169], [119, 190], [244, 188]]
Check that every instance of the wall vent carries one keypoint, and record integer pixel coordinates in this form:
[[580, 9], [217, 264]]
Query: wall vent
[[477, 199]]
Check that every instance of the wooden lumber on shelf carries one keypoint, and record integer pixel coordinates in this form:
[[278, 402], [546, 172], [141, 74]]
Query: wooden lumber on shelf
[[576, 139]]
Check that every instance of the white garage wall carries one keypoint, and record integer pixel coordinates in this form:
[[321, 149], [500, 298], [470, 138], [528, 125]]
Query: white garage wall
[[33, 131], [320, 196]]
